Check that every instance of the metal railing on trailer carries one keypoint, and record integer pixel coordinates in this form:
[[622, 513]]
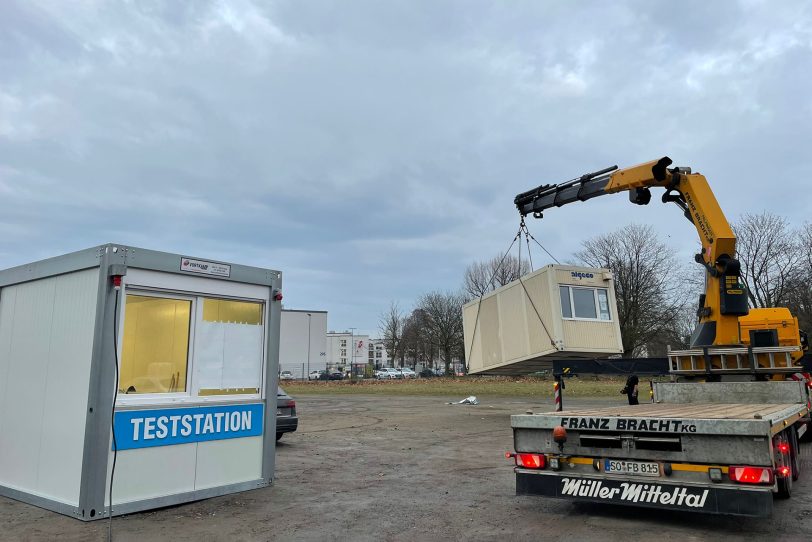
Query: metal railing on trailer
[[733, 360]]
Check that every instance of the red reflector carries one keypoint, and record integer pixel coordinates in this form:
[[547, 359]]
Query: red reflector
[[530, 461], [783, 471], [783, 447], [751, 475]]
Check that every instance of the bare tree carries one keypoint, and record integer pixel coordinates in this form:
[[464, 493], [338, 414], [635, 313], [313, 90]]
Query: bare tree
[[650, 299], [418, 342], [443, 319], [390, 325], [483, 277], [769, 256], [799, 294]]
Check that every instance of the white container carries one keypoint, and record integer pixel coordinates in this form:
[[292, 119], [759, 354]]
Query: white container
[[556, 312], [197, 345]]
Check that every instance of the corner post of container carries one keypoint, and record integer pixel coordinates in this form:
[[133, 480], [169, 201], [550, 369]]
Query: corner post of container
[[274, 312], [101, 389]]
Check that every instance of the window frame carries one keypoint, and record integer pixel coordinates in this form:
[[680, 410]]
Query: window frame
[[180, 396], [191, 395], [595, 299]]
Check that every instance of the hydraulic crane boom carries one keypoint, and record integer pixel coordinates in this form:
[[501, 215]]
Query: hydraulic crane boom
[[725, 297]]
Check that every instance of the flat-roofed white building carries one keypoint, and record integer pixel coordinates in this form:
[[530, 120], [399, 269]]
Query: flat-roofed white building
[[302, 342]]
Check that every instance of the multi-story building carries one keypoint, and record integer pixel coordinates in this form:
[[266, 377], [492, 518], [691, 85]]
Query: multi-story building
[[378, 356], [345, 350]]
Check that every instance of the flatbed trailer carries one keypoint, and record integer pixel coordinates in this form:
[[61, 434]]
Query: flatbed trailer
[[712, 447]]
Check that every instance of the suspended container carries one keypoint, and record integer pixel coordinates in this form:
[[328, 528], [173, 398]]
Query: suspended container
[[557, 312], [193, 345]]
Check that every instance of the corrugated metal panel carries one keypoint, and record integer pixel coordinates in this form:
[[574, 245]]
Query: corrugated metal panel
[[490, 332], [473, 341], [63, 427], [24, 401], [224, 462], [513, 323], [590, 336], [46, 336], [148, 473]]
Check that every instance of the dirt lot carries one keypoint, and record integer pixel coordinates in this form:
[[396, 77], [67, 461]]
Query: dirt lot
[[407, 468]]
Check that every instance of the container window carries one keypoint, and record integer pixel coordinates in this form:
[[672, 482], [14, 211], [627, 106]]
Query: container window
[[566, 306], [603, 305], [229, 347], [155, 346], [583, 301]]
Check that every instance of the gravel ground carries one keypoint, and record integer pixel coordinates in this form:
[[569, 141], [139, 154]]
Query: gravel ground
[[407, 468]]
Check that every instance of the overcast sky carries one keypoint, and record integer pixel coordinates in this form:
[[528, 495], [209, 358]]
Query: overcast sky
[[371, 150]]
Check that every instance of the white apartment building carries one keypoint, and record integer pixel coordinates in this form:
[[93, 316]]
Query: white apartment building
[[345, 349], [378, 356], [302, 343]]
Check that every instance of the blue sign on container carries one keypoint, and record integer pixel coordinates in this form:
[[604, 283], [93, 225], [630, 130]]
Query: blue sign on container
[[168, 426]]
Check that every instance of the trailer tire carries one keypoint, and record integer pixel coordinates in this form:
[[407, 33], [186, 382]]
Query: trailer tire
[[784, 487]]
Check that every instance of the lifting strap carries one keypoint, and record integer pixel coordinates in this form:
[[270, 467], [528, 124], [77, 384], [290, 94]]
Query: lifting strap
[[522, 231]]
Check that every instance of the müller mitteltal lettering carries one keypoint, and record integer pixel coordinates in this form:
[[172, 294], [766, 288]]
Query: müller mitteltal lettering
[[635, 493]]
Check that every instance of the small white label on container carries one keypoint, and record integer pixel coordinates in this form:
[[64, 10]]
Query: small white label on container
[[204, 267]]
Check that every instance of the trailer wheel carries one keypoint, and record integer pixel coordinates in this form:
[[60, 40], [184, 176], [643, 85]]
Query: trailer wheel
[[784, 487], [784, 483]]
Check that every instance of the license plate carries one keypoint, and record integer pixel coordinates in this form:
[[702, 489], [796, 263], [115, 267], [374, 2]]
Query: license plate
[[637, 468]]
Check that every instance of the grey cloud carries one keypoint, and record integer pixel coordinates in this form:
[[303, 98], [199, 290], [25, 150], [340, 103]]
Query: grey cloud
[[372, 149]]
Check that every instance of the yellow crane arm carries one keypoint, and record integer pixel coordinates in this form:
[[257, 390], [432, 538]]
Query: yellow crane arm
[[725, 297]]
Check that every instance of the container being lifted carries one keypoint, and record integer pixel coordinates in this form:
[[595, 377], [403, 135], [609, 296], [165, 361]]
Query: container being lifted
[[194, 347], [556, 312]]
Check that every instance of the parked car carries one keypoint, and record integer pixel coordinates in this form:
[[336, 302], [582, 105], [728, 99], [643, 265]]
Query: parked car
[[408, 373], [314, 375], [286, 419], [336, 375], [387, 373], [286, 375], [427, 373]]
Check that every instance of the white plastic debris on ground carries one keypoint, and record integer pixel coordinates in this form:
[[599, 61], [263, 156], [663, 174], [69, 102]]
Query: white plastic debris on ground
[[470, 400]]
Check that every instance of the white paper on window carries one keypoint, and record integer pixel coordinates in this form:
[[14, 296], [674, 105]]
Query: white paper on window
[[208, 362], [242, 364], [603, 302], [228, 355]]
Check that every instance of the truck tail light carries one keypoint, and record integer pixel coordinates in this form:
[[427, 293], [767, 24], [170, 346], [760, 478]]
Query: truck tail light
[[751, 475], [530, 461], [783, 471], [783, 447]]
